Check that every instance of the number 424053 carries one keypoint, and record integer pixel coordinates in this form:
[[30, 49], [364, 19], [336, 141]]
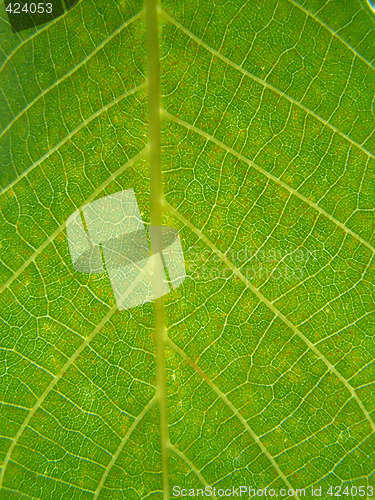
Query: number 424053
[[354, 491], [31, 8]]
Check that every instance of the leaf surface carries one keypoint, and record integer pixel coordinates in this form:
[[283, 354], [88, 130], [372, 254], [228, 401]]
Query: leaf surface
[[268, 159]]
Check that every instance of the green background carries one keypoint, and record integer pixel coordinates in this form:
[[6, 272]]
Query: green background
[[268, 144]]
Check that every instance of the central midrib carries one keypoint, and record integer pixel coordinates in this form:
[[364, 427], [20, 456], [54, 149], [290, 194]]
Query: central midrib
[[154, 151]]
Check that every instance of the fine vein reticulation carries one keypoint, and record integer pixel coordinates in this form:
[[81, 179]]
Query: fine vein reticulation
[[257, 381]]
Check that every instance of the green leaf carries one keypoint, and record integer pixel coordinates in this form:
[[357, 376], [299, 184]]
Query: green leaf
[[258, 370]]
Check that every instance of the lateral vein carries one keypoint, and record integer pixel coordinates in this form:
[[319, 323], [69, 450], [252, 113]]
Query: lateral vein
[[265, 84], [274, 309], [234, 410], [269, 176]]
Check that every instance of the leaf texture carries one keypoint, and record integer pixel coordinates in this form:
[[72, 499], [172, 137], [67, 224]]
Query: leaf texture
[[263, 370]]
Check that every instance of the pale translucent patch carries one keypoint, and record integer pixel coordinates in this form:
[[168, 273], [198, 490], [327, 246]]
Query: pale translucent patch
[[114, 223]]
